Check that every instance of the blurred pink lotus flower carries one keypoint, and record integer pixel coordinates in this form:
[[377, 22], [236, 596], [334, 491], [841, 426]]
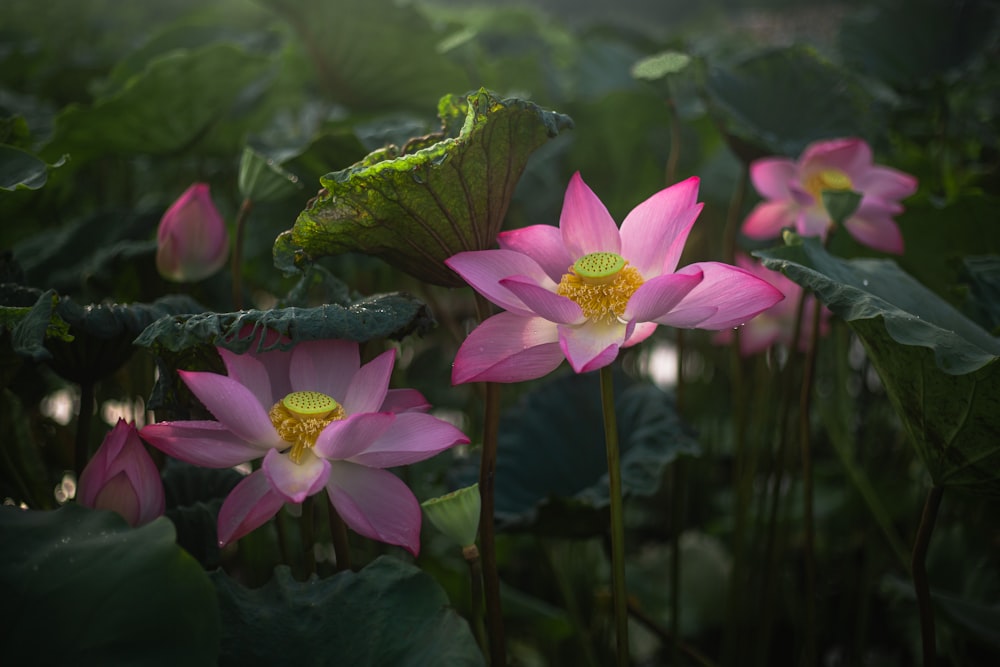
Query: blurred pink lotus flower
[[192, 240], [122, 477], [793, 194], [320, 420], [585, 289], [777, 323]]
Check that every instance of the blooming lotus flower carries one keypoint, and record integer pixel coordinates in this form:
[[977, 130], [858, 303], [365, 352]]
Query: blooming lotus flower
[[585, 289], [320, 420], [192, 242], [777, 324], [793, 194], [122, 477]]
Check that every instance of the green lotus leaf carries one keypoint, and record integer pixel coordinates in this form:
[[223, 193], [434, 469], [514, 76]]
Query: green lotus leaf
[[21, 170], [940, 369], [389, 613], [778, 101], [552, 471], [438, 195], [81, 586]]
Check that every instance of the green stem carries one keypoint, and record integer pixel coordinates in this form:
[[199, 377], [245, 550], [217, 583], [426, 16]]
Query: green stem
[[619, 594], [580, 630], [236, 259], [487, 533], [918, 566], [676, 516], [338, 535], [83, 421], [475, 563], [674, 156], [809, 525], [308, 536]]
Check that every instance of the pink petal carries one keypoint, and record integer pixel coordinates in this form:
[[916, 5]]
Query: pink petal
[[654, 232], [768, 218], [325, 366], [346, 438], [251, 373], [295, 482], [850, 155], [412, 437], [484, 269], [369, 385], [508, 348], [886, 183], [376, 504], [771, 177], [874, 226], [735, 294], [658, 296], [404, 400], [277, 363], [542, 243], [813, 221], [592, 345], [248, 506], [642, 331], [118, 495], [235, 406], [543, 302], [585, 223], [203, 443]]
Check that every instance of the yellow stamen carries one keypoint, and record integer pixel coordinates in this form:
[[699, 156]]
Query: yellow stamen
[[301, 416], [827, 179], [601, 283]]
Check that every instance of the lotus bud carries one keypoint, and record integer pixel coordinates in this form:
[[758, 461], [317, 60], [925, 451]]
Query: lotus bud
[[122, 477], [456, 514], [192, 240]]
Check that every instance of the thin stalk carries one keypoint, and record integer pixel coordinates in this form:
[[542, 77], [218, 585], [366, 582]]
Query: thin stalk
[[475, 563], [618, 589], [674, 156], [83, 421], [809, 525], [676, 516], [338, 535], [236, 258], [664, 635], [580, 630], [307, 528], [487, 533], [918, 566], [770, 539]]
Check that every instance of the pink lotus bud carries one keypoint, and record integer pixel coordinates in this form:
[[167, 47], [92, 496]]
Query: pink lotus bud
[[122, 477], [192, 240]]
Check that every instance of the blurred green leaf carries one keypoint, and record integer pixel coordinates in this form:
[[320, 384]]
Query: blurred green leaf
[[389, 613], [778, 101], [939, 368], [193, 498], [982, 274], [371, 55], [20, 170], [438, 195], [908, 44], [262, 179], [81, 586], [661, 65], [840, 204], [551, 463], [172, 105]]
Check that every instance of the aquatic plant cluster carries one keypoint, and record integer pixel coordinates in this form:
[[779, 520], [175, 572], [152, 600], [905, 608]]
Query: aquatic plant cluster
[[358, 332]]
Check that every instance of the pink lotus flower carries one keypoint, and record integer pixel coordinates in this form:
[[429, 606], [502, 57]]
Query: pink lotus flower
[[192, 240], [793, 194], [320, 420], [122, 477], [585, 289], [776, 324]]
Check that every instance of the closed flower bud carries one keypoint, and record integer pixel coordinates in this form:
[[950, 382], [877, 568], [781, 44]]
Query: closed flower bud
[[122, 477], [456, 514], [192, 240]]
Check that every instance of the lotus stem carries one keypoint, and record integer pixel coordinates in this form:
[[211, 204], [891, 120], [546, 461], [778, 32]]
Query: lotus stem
[[918, 565], [618, 587]]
